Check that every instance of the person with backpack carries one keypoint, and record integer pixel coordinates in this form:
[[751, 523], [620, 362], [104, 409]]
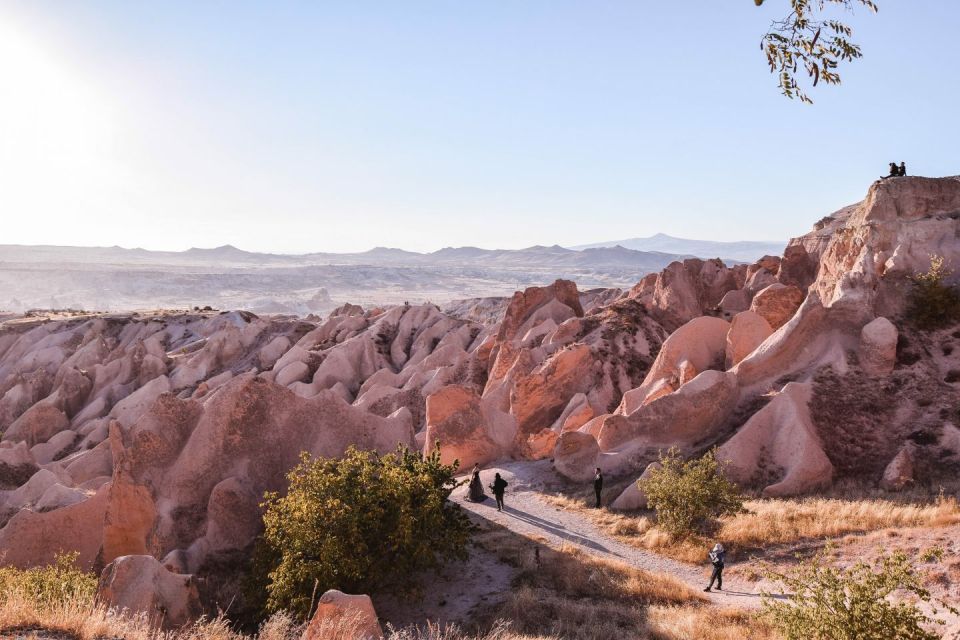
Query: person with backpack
[[716, 559], [498, 487]]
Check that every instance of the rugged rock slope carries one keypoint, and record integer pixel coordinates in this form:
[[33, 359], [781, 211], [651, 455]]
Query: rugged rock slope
[[157, 435]]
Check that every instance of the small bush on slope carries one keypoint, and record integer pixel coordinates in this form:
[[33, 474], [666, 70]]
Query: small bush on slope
[[50, 585], [360, 524], [933, 303], [830, 603], [688, 494]]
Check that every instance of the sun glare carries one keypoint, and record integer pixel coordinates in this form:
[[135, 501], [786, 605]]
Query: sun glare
[[55, 129]]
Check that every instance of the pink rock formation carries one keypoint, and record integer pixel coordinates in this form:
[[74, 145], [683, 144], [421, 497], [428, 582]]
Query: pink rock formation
[[141, 585], [455, 421], [878, 347], [633, 497], [336, 607], [899, 473], [576, 455], [779, 447], [777, 303], [748, 330]]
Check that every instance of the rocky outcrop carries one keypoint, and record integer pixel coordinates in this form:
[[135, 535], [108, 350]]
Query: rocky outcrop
[[685, 290], [695, 347], [456, 424], [748, 330], [140, 585], [337, 609], [900, 472], [878, 347], [779, 448], [633, 497], [575, 456], [777, 303], [688, 415]]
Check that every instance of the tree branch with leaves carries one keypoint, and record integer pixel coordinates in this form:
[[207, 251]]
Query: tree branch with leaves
[[806, 42]]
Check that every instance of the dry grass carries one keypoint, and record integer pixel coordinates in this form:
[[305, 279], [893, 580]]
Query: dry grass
[[770, 522], [83, 620], [566, 593], [685, 623]]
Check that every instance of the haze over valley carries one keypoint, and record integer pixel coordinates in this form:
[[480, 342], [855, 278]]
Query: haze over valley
[[118, 279]]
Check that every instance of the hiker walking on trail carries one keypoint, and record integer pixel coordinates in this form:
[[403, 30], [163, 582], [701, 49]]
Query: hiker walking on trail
[[498, 487], [716, 559], [598, 485]]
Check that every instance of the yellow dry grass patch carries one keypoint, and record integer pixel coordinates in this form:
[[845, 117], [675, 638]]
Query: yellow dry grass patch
[[683, 623], [768, 522]]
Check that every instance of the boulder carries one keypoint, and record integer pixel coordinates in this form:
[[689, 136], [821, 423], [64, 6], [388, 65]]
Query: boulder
[[777, 303], [899, 473], [747, 331], [336, 609], [878, 347], [540, 445], [575, 456], [141, 585], [779, 447], [633, 497]]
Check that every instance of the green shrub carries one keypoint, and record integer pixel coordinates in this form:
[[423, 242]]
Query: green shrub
[[689, 494], [933, 303], [55, 584], [361, 523], [829, 603]]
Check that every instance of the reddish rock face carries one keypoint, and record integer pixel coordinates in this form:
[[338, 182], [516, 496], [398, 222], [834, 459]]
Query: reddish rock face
[[337, 608], [141, 585], [455, 421], [777, 303]]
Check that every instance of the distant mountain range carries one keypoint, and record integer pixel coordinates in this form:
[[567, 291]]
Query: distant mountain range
[[229, 256], [115, 278], [740, 251]]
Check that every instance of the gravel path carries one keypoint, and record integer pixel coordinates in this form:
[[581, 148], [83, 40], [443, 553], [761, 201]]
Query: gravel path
[[527, 514]]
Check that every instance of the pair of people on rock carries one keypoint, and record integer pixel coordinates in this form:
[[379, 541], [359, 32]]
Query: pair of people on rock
[[895, 171], [498, 487]]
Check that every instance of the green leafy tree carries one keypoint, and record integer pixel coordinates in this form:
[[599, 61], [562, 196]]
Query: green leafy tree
[[689, 494], [806, 42], [933, 303], [360, 523], [830, 603]]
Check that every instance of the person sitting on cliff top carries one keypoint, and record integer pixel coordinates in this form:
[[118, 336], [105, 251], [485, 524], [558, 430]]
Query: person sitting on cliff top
[[903, 169], [894, 171]]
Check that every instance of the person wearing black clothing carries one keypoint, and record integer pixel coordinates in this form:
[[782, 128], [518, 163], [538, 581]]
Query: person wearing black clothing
[[498, 487], [903, 169], [716, 559], [598, 485], [476, 487], [894, 171]]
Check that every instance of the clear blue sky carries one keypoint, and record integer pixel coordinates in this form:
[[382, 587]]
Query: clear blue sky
[[301, 126]]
